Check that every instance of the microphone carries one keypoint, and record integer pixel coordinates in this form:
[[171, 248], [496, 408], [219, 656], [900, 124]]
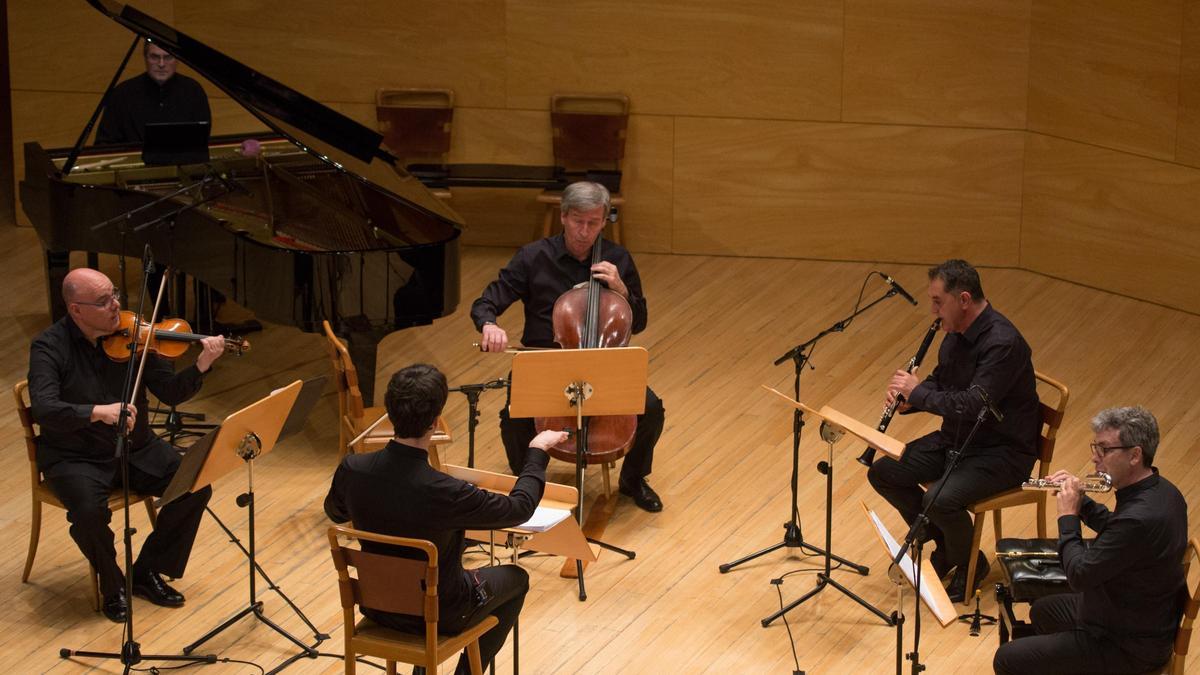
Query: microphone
[[987, 401], [898, 288]]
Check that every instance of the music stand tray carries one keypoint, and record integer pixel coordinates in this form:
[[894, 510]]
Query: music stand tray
[[580, 383]]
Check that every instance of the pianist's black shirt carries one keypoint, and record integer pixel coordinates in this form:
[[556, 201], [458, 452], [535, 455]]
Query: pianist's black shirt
[[542, 271], [140, 100], [991, 354], [1131, 578]]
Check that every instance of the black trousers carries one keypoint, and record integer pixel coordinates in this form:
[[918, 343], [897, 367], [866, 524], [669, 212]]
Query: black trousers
[[1062, 646], [518, 432], [506, 586], [166, 549], [981, 472]]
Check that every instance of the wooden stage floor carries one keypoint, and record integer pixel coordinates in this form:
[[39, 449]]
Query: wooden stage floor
[[722, 468]]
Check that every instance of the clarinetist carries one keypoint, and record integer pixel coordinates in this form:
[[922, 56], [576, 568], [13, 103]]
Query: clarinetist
[[982, 354], [1128, 587]]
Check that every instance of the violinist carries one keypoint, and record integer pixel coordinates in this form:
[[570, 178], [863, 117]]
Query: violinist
[[75, 390], [536, 276]]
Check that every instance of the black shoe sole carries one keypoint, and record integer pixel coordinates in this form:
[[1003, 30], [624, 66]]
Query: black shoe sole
[[141, 593]]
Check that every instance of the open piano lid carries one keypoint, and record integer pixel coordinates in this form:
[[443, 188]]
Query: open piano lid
[[315, 128]]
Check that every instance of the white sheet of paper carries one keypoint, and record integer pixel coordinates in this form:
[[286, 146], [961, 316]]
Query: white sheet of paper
[[544, 518]]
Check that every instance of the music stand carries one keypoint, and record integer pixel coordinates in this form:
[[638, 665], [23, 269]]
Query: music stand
[[580, 383], [244, 436], [833, 425], [933, 595]]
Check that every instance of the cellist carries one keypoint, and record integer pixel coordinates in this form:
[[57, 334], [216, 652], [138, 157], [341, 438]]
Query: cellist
[[537, 275]]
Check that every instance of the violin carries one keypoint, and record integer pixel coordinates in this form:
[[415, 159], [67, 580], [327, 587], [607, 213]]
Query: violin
[[591, 316], [168, 338]]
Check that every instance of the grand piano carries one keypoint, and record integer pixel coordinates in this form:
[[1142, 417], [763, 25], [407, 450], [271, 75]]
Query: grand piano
[[320, 224]]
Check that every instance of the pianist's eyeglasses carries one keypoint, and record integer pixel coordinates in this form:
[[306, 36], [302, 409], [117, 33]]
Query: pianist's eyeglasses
[[111, 298]]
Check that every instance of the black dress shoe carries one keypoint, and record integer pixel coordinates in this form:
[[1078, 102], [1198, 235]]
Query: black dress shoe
[[958, 586], [643, 495], [115, 607], [149, 585], [941, 566]]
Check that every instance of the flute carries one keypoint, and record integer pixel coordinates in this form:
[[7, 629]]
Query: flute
[[1095, 482]]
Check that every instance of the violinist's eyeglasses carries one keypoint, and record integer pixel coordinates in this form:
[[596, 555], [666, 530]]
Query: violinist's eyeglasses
[[114, 297]]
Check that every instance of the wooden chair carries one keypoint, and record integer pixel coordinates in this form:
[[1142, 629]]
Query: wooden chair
[[403, 586], [42, 494], [589, 134], [416, 125], [1052, 417], [1183, 637], [354, 418]]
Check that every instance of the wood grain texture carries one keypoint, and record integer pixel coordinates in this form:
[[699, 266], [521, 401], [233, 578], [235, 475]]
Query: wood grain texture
[[345, 51], [750, 59], [1106, 72], [1187, 145], [850, 192], [722, 468], [938, 62], [1107, 219]]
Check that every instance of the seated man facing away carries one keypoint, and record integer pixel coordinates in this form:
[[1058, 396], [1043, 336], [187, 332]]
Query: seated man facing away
[[1128, 587], [396, 492]]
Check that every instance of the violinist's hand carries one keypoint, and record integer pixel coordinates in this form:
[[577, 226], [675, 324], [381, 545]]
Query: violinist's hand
[[548, 439], [1069, 496], [211, 349], [494, 338], [607, 272], [110, 414]]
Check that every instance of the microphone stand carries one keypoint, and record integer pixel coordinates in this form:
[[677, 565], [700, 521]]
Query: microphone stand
[[913, 540], [792, 534], [472, 392], [130, 653]]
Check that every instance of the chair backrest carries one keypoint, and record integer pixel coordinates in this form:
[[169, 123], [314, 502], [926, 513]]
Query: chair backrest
[[589, 130], [1184, 636], [1052, 417], [25, 414], [385, 582], [345, 376], [416, 123]]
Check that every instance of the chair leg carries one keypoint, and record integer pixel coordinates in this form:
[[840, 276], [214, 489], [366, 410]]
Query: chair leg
[[997, 527], [391, 667], [35, 531], [151, 512], [606, 466], [473, 658], [976, 538]]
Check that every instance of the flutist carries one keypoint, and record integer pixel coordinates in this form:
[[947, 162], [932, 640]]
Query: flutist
[[1128, 587], [983, 356]]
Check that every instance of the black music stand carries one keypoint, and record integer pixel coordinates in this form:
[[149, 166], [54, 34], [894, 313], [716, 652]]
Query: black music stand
[[243, 437], [563, 382]]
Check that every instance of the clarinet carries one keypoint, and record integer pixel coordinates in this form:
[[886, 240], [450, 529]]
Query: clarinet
[[889, 411]]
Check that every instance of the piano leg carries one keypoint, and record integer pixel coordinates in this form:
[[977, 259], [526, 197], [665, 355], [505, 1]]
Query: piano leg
[[363, 346], [58, 263]]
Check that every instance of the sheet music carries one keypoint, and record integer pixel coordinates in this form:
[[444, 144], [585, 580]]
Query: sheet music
[[544, 518]]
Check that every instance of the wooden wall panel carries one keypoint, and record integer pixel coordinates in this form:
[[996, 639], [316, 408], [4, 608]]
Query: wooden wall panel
[[1107, 219], [846, 192], [648, 183], [939, 62], [1187, 143], [1106, 72], [66, 45], [760, 59], [344, 51]]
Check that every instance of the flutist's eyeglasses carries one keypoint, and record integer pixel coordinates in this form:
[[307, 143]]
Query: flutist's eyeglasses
[[1103, 450]]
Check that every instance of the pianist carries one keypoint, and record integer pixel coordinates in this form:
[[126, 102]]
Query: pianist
[[1128, 586], [75, 391], [158, 95], [396, 492]]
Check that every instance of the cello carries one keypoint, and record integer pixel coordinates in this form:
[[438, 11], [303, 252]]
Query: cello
[[592, 316]]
